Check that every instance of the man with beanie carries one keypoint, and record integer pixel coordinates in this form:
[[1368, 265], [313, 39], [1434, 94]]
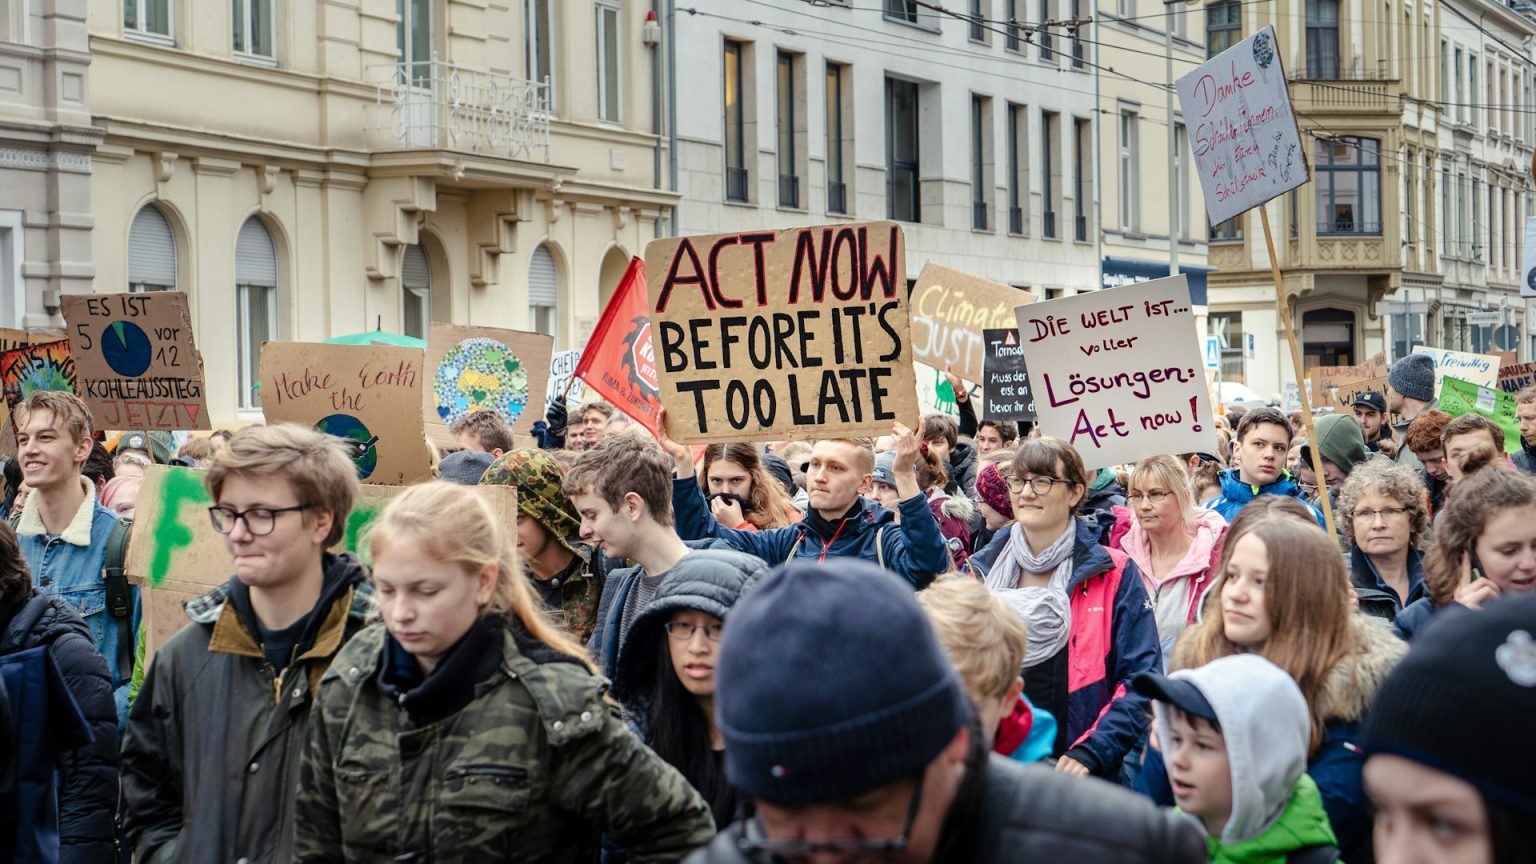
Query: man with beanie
[[567, 574], [465, 467], [880, 753], [1341, 445], [1411, 392]]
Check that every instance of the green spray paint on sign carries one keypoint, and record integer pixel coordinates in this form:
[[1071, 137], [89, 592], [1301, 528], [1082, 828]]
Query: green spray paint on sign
[[362, 515], [170, 533]]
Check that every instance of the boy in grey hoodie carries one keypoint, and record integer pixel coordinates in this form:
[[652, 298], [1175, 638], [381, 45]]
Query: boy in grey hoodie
[[1234, 734]]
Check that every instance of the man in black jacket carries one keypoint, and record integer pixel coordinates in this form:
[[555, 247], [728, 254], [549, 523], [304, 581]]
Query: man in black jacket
[[880, 752]]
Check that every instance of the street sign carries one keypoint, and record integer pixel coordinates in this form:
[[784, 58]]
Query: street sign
[[1506, 337], [1213, 352], [1485, 319]]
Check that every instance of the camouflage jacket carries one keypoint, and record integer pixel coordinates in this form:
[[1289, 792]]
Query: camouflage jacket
[[535, 768], [581, 587]]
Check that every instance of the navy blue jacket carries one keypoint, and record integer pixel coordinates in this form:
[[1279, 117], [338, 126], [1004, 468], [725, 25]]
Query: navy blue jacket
[[1375, 597], [603, 644], [1235, 494], [913, 550]]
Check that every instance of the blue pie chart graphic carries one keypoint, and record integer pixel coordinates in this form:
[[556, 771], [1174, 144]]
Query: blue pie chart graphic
[[126, 349]]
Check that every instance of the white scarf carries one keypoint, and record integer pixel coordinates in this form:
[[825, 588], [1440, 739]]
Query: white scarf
[[1047, 612]]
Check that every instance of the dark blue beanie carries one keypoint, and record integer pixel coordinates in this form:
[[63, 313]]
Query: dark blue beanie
[[831, 683]]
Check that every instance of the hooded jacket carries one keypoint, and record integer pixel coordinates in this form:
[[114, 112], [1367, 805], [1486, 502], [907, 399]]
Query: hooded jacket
[[1113, 637], [1235, 494], [1340, 441], [1176, 595], [608, 634], [954, 513], [1376, 599], [913, 550], [87, 775], [211, 757]]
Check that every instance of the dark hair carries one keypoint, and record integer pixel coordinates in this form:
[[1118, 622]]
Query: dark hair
[[1511, 841], [679, 733], [929, 471], [1006, 430], [12, 476], [1045, 455], [15, 575], [941, 426], [1263, 415], [1472, 423], [1194, 720], [98, 464]]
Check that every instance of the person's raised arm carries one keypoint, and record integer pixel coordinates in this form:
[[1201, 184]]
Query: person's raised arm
[[963, 405]]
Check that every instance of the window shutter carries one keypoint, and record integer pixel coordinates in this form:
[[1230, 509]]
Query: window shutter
[[255, 259], [415, 273], [151, 249], [543, 281]]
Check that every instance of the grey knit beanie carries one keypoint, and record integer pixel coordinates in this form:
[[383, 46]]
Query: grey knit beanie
[[831, 683], [1414, 377]]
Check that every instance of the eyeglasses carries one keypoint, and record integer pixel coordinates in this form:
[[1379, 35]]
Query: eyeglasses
[[758, 847], [682, 631], [259, 521], [1389, 514], [1156, 496], [1041, 485]]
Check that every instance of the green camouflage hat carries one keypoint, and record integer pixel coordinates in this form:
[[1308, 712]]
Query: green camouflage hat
[[537, 477]]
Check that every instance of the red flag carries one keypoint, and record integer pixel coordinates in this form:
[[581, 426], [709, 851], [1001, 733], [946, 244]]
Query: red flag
[[619, 362]]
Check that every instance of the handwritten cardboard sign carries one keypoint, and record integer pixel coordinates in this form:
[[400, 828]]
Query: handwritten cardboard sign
[[484, 368], [369, 395], [137, 365], [1479, 369], [1118, 372], [950, 310], [792, 334], [1246, 144], [1342, 396], [1513, 379], [175, 554], [1005, 390], [1459, 397], [1328, 380], [562, 374], [37, 367]]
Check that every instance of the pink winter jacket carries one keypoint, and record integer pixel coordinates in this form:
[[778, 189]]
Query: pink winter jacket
[[1176, 595]]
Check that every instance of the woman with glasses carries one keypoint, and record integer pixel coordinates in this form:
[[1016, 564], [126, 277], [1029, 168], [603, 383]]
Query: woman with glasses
[[1090, 623], [1384, 517], [666, 669], [1174, 544], [467, 727]]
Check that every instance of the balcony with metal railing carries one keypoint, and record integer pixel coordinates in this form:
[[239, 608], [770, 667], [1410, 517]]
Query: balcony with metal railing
[[434, 105]]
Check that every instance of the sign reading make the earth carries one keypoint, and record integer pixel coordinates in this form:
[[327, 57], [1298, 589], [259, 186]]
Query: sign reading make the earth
[[484, 369], [136, 363]]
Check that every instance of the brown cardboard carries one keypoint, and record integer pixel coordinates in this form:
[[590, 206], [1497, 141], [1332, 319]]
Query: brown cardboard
[[950, 309], [1342, 396], [136, 364], [175, 555], [369, 393], [9, 340], [505, 371], [767, 335]]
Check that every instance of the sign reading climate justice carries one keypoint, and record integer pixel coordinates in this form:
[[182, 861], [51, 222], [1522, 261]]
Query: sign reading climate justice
[[1118, 372], [135, 362], [770, 335], [1246, 144], [950, 309]]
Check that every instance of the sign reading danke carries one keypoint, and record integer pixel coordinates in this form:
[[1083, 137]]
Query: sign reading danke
[[771, 335], [1118, 372], [1246, 144]]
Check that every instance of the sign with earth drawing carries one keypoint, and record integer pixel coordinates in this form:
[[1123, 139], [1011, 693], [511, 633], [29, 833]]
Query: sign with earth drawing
[[37, 367], [484, 369], [368, 395], [135, 360]]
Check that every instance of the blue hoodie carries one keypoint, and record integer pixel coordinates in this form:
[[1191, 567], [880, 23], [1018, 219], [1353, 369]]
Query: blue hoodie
[[1235, 495]]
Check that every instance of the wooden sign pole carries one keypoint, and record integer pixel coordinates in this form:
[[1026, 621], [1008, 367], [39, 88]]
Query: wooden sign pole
[[1284, 308]]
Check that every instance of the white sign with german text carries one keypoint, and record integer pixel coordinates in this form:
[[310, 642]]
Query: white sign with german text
[[1479, 369]]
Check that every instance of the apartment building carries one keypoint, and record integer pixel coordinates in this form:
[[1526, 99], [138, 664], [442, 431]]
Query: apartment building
[[975, 129]]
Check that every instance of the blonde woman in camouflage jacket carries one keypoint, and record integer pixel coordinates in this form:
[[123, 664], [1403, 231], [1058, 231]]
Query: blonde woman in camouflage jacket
[[465, 728]]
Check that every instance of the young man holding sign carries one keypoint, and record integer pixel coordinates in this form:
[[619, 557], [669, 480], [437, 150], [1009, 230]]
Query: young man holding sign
[[839, 523]]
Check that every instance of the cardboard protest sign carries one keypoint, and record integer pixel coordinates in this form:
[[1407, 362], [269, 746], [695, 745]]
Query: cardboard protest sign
[[174, 553], [949, 311], [562, 379], [1458, 397], [1513, 379], [1246, 144], [792, 334], [1342, 396], [1479, 369], [10, 340], [1005, 386], [369, 395], [1326, 381], [41, 366], [1118, 372], [619, 362], [137, 365], [484, 369]]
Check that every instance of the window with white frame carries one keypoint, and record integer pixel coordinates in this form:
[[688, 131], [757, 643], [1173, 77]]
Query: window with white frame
[[413, 39], [415, 292], [254, 24], [1130, 203], [255, 304], [541, 43], [610, 69], [544, 295], [151, 17], [13, 22], [151, 252]]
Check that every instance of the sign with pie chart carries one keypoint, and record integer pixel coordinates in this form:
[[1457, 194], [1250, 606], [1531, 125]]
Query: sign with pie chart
[[136, 362]]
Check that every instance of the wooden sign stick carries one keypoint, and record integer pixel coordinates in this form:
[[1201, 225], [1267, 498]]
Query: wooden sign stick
[[1284, 309]]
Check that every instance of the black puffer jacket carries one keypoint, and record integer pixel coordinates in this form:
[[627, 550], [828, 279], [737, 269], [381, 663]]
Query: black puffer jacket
[[87, 775]]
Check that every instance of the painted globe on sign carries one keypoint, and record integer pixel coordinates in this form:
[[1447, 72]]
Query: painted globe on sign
[[365, 453], [480, 374], [126, 349]]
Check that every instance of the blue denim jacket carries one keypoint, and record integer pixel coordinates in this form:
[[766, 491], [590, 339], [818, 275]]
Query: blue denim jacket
[[68, 565]]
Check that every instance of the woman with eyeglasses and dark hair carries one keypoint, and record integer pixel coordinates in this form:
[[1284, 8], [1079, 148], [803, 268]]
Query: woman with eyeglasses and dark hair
[[1091, 625], [1384, 518], [666, 670]]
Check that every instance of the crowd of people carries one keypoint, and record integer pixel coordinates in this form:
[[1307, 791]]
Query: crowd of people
[[953, 643]]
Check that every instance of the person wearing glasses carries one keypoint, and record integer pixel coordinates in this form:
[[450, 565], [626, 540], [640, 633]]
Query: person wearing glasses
[[1384, 515], [1174, 544], [851, 736], [211, 754], [466, 726], [666, 671], [1086, 599]]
